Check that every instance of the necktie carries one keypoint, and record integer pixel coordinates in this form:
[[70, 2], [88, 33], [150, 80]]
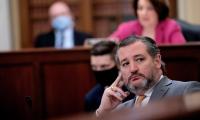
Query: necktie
[[62, 40], [59, 36], [139, 100]]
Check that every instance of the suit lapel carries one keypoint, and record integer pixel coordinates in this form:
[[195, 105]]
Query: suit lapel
[[76, 38], [161, 89], [52, 38]]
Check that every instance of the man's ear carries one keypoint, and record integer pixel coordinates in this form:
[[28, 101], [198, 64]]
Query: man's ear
[[157, 61]]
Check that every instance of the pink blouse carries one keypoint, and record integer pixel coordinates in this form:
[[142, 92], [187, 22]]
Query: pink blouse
[[167, 31]]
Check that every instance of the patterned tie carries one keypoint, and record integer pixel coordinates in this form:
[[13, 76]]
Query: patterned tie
[[139, 101]]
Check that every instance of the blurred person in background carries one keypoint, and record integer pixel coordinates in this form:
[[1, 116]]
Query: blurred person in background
[[63, 33], [105, 72], [152, 21]]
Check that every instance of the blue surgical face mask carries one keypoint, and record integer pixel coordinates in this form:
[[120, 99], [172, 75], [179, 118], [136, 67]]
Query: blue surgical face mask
[[62, 22]]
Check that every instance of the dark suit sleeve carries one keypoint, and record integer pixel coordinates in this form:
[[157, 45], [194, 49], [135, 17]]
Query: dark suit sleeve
[[45, 40], [39, 41], [80, 37]]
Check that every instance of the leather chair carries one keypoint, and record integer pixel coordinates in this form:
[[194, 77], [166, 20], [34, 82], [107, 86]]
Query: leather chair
[[190, 31]]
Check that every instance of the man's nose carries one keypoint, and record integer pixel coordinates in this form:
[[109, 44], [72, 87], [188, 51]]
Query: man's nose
[[133, 67]]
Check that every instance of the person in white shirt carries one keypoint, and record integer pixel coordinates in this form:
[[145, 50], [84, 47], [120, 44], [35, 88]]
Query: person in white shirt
[[63, 33]]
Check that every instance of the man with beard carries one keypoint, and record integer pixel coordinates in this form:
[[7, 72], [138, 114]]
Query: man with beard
[[105, 72], [140, 64]]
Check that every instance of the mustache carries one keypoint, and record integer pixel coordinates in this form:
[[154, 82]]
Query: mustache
[[136, 75]]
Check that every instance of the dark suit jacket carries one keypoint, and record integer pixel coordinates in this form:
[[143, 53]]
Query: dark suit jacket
[[166, 88], [48, 39], [93, 98]]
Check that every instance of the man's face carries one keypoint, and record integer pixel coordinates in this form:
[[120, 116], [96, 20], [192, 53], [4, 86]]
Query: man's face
[[139, 70], [59, 9], [102, 62]]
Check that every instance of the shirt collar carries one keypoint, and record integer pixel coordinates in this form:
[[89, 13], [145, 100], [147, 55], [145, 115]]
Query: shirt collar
[[149, 92]]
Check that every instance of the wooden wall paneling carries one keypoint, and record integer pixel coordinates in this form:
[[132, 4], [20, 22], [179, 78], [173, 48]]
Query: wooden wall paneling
[[47, 65], [85, 16], [25, 24], [173, 8], [182, 61], [65, 87], [57, 80], [16, 91], [179, 68]]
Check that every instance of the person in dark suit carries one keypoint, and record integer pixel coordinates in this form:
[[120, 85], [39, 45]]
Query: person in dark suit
[[63, 34], [105, 72], [140, 64]]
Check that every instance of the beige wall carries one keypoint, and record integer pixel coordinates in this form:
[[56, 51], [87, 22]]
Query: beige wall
[[5, 26], [189, 10], [15, 24], [9, 25]]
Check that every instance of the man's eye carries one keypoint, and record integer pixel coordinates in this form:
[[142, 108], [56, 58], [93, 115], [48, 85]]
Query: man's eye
[[139, 60], [125, 64]]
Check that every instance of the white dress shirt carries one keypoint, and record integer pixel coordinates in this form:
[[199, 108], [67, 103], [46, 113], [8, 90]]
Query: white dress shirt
[[148, 94], [64, 39]]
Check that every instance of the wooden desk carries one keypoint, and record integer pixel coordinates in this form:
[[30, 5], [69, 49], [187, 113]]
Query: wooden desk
[[182, 61], [57, 80]]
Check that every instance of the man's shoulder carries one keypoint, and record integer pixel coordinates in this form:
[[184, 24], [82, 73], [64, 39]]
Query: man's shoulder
[[82, 34], [176, 87], [185, 83], [189, 86], [45, 39], [45, 36]]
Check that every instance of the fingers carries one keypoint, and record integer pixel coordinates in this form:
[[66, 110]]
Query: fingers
[[120, 84], [118, 90], [117, 81], [116, 96], [117, 93], [115, 89]]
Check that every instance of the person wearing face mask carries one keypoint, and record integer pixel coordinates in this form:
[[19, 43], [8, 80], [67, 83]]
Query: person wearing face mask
[[152, 21], [105, 72], [63, 34]]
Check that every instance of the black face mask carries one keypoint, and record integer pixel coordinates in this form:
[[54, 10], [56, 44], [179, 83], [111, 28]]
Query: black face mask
[[106, 77]]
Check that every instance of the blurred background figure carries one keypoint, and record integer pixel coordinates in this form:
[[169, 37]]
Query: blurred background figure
[[152, 21], [105, 72], [63, 34]]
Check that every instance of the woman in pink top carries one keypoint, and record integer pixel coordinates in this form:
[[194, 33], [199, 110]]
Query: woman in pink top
[[152, 21]]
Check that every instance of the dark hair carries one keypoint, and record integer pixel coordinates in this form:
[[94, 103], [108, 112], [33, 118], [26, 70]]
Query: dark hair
[[152, 48], [160, 7], [103, 47]]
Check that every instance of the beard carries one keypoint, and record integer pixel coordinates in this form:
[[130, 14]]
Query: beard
[[142, 87]]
